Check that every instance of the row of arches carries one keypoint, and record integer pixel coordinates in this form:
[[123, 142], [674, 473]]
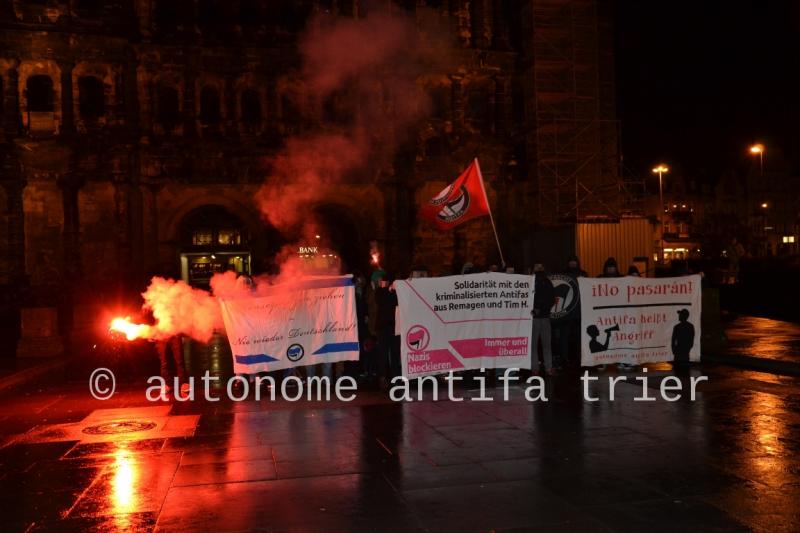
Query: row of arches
[[40, 96], [246, 104]]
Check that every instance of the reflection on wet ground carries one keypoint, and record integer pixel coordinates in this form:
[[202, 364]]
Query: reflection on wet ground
[[729, 461], [763, 337]]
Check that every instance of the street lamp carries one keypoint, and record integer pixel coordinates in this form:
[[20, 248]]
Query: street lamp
[[661, 169], [758, 149]]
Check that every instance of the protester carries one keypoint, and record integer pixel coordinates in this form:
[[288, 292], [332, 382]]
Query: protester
[[735, 253], [633, 270], [610, 269], [543, 299], [175, 345], [568, 328], [361, 288], [386, 303]]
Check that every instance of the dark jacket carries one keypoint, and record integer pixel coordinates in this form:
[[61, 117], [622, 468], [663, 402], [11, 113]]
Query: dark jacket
[[576, 272], [387, 302], [543, 296]]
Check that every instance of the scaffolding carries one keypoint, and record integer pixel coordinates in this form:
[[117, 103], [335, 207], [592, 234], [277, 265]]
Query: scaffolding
[[576, 136]]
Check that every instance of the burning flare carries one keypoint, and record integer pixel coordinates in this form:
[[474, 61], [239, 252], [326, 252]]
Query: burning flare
[[129, 329]]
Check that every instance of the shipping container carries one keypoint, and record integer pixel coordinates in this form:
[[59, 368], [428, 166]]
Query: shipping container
[[630, 241]]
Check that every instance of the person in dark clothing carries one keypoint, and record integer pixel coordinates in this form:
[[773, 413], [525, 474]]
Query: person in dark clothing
[[574, 269], [567, 329], [386, 301], [682, 337], [175, 345], [610, 269], [543, 300]]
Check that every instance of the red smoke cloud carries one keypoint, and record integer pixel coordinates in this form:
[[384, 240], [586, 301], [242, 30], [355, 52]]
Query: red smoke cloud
[[366, 70], [363, 72], [180, 308]]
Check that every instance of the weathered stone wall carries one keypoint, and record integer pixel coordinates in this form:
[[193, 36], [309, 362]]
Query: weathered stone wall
[[104, 196]]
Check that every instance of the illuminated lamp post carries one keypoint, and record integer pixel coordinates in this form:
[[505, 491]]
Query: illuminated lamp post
[[661, 169], [758, 149]]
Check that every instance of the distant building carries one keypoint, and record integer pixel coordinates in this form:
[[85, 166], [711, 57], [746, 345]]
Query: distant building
[[136, 134]]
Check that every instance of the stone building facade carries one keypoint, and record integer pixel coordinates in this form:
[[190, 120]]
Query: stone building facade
[[135, 134]]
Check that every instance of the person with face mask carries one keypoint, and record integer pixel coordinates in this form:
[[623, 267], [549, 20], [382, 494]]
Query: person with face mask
[[610, 269], [543, 300], [567, 330]]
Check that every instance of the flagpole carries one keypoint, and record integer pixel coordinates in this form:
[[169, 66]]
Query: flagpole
[[491, 218]]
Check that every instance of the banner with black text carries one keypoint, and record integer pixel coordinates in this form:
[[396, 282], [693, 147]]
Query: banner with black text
[[464, 322]]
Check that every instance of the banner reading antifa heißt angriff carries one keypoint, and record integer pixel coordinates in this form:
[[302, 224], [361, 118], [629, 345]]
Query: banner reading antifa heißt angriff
[[640, 320]]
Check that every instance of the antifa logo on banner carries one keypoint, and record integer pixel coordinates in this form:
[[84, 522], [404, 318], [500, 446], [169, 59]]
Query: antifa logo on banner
[[455, 209], [295, 352], [418, 338], [567, 296], [440, 198]]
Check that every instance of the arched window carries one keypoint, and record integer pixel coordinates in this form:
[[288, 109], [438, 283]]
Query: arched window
[[91, 97], [250, 14], [251, 108], [168, 107], [209, 106], [39, 93], [479, 109], [211, 17], [88, 6], [290, 15], [166, 16], [476, 25], [213, 240], [408, 5], [290, 111], [346, 7], [440, 101]]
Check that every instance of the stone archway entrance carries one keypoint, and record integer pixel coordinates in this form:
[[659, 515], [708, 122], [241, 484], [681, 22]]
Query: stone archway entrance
[[213, 240], [342, 233]]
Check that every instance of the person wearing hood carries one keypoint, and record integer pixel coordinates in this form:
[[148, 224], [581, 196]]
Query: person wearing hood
[[610, 269], [543, 300], [568, 328], [574, 269]]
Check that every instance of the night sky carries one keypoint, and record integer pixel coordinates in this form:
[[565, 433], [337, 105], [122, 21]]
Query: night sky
[[700, 80]]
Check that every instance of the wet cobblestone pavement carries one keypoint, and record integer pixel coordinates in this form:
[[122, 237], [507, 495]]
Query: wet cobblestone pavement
[[730, 461], [763, 337]]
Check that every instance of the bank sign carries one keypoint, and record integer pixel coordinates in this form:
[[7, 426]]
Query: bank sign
[[298, 324]]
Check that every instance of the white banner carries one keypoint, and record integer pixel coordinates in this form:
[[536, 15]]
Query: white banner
[[639, 320], [301, 324], [464, 322]]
